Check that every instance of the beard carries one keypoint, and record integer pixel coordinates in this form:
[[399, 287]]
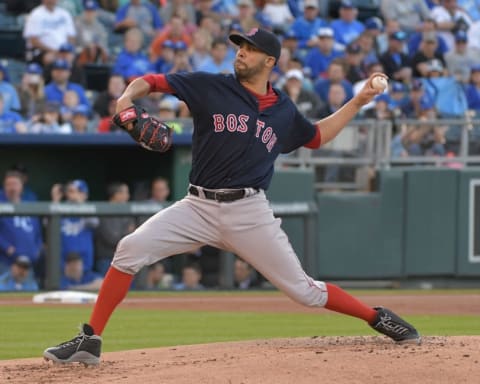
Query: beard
[[243, 72]]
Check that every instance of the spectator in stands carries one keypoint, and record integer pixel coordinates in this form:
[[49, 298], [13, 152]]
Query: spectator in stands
[[246, 15], [473, 90], [428, 26], [19, 235], [69, 103], [244, 276], [374, 28], [10, 122], [49, 120], [46, 28], [131, 62], [167, 112], [116, 86], [307, 26], [181, 60], [31, 91], [80, 120], [450, 19], [27, 193], [76, 277], [67, 52], [57, 192], [290, 42], [157, 278], [347, 28], [395, 62], [335, 99], [354, 57], [11, 102], [77, 232], [174, 31], [417, 100], [307, 102], [409, 14], [138, 14], [474, 37], [278, 12], [204, 9], [55, 90], [19, 277], [382, 109], [200, 48], [159, 190], [184, 8], [92, 36], [74, 7], [218, 61], [165, 62], [427, 52], [112, 228], [368, 47], [425, 139], [336, 74], [321, 53], [191, 276], [461, 59]]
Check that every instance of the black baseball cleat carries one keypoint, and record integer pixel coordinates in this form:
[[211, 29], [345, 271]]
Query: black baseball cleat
[[84, 348], [395, 327]]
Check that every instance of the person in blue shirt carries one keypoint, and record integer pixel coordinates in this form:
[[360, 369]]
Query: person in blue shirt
[[320, 56], [10, 122], [347, 28], [75, 276], [77, 233], [336, 74], [473, 90], [19, 278], [138, 14], [306, 27], [415, 39], [218, 61], [19, 235], [11, 100], [131, 62], [55, 90]]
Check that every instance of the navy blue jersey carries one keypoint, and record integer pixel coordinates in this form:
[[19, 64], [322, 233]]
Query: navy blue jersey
[[234, 144]]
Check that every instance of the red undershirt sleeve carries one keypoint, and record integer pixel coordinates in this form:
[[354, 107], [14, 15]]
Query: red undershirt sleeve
[[158, 83], [316, 141]]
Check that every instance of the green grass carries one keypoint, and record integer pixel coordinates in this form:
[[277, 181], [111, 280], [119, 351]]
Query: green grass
[[26, 331]]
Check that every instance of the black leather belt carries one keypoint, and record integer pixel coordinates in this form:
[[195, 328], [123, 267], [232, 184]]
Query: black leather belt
[[221, 196]]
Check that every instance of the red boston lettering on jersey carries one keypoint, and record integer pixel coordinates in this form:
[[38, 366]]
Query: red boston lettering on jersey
[[231, 122], [218, 122], [242, 119], [271, 143], [260, 126], [267, 134]]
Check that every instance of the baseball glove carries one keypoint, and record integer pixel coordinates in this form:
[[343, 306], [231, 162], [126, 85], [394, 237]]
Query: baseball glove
[[144, 129]]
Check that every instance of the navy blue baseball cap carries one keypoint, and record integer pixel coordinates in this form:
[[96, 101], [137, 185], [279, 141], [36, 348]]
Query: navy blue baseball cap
[[90, 5], [374, 23], [461, 36], [66, 47], [347, 4], [264, 40]]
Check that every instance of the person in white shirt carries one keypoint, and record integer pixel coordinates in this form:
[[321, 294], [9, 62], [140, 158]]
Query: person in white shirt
[[450, 18], [46, 28]]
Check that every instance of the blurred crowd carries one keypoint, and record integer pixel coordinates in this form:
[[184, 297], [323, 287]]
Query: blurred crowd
[[81, 54], [88, 243]]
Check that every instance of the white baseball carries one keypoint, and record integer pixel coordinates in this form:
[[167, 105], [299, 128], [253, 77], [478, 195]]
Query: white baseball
[[379, 83]]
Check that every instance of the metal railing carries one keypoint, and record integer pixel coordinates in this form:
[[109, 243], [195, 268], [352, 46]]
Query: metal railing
[[366, 145], [54, 211]]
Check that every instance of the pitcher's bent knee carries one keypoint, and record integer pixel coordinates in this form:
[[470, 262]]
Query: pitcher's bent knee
[[312, 294], [131, 254]]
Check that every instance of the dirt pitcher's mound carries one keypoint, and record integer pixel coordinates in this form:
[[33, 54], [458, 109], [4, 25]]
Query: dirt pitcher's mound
[[337, 360]]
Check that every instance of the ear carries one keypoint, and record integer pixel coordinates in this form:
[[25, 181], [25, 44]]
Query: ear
[[270, 61]]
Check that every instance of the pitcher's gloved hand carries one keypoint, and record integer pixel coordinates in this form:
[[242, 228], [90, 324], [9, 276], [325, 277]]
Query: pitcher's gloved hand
[[149, 132]]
